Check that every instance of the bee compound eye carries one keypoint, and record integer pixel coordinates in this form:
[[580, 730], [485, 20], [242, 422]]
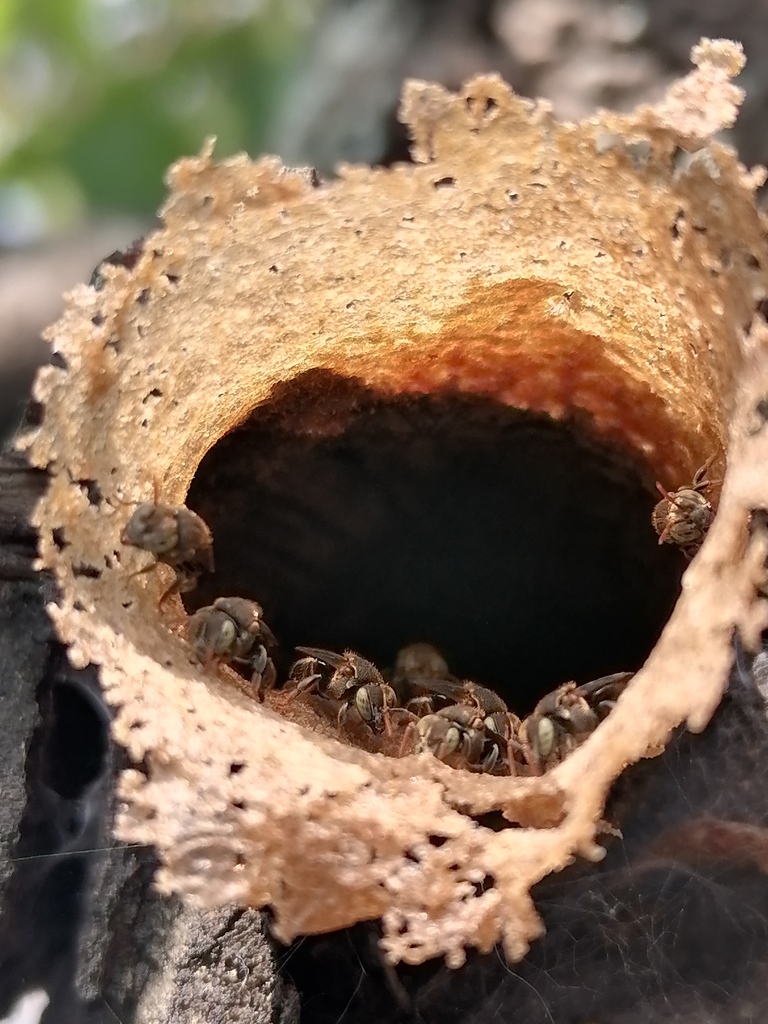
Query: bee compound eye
[[364, 704], [545, 736], [226, 636], [423, 733], [496, 722], [158, 527]]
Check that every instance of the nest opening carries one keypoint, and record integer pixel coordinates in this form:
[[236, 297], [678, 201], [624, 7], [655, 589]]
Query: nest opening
[[519, 546]]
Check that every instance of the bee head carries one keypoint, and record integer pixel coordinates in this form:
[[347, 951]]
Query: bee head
[[153, 528]]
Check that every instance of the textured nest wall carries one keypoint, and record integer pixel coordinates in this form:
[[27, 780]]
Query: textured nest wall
[[607, 270]]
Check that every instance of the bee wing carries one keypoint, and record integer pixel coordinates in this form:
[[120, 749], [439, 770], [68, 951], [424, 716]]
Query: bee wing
[[326, 657], [598, 684], [454, 689]]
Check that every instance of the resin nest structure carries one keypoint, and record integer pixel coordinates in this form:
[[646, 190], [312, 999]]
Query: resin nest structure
[[605, 273]]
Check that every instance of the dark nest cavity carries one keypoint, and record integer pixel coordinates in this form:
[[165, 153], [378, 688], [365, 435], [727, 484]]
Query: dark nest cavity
[[523, 548], [520, 547]]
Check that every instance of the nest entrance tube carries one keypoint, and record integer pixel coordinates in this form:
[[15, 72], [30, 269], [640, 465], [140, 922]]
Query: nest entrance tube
[[519, 547], [377, 495]]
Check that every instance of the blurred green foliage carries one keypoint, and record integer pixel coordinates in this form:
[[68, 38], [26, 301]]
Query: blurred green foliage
[[97, 97]]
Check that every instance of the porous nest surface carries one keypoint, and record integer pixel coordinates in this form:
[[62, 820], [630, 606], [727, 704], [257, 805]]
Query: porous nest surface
[[604, 273]]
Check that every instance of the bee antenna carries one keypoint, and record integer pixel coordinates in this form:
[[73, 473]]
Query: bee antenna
[[117, 500]]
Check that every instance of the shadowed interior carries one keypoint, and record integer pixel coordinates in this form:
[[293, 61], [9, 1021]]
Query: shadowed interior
[[519, 546]]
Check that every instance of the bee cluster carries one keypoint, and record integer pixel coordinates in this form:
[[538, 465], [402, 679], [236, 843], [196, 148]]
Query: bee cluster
[[418, 705], [459, 722]]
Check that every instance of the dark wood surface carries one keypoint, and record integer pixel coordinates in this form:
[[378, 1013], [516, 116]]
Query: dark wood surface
[[78, 915]]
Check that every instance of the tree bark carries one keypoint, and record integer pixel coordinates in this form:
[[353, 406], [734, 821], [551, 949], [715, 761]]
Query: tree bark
[[78, 914]]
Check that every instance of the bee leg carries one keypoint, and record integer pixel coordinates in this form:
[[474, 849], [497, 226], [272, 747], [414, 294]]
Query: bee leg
[[402, 711], [270, 676], [702, 485], [514, 754], [386, 718], [140, 572], [534, 761], [343, 712], [264, 675], [410, 731], [441, 751], [701, 472], [117, 499], [419, 706], [389, 715], [306, 685], [489, 761]]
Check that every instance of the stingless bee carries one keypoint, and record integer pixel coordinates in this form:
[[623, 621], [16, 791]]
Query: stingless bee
[[177, 536], [457, 736], [602, 693], [489, 730], [417, 666], [457, 691], [684, 516], [419, 660], [127, 258], [566, 717], [232, 630], [354, 681]]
